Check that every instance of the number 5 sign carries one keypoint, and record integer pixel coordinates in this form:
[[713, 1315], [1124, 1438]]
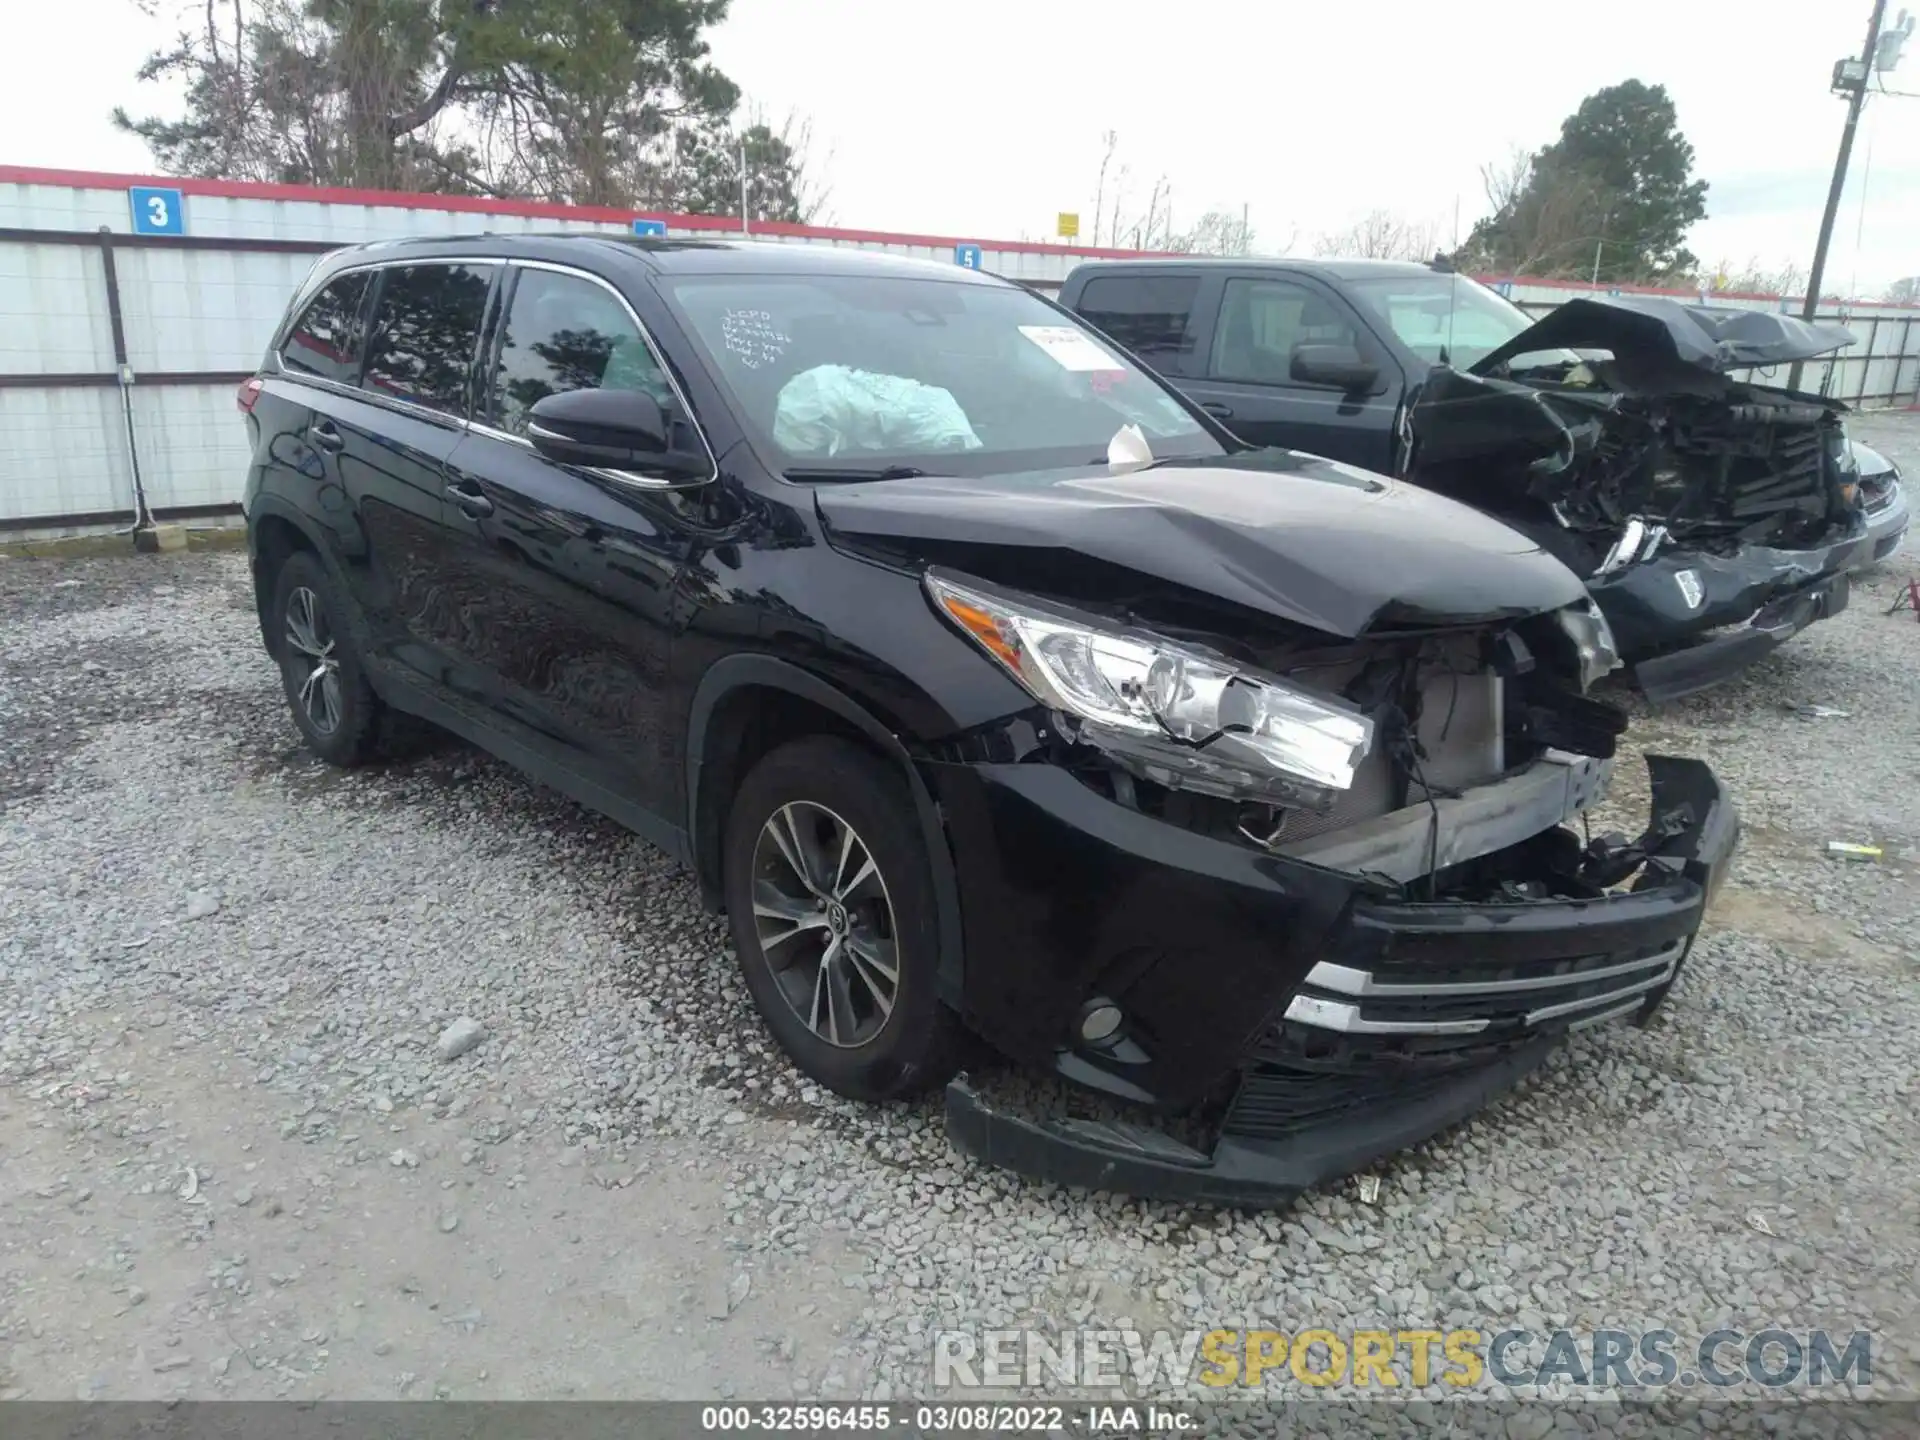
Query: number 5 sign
[[157, 212]]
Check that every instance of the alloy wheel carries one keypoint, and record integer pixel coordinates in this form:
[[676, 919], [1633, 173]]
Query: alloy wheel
[[312, 665], [825, 923]]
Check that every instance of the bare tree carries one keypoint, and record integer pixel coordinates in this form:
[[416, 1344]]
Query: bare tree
[[1904, 291], [1111, 143], [1505, 181], [1215, 233], [1381, 235], [1756, 278]]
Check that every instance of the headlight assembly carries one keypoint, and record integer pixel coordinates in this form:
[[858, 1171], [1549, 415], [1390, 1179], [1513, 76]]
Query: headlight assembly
[[1175, 714]]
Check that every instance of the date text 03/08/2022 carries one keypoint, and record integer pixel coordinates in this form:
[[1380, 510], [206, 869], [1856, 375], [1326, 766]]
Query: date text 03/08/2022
[[965, 1418]]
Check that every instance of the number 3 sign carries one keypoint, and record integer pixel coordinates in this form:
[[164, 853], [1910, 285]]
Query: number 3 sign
[[157, 212]]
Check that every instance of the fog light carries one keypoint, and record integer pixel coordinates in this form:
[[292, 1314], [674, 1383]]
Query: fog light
[[1099, 1021]]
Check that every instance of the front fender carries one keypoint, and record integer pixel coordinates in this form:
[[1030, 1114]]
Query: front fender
[[736, 672]]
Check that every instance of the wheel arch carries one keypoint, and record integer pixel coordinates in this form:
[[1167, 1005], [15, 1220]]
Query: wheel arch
[[276, 533], [720, 721]]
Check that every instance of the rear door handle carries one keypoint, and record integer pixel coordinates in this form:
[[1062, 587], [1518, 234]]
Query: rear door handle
[[325, 437], [1215, 408], [472, 502]]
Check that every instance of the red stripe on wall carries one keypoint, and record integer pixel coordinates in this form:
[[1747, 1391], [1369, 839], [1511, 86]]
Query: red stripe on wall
[[528, 209]]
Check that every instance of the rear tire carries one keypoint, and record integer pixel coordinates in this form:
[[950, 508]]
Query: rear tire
[[829, 893], [333, 706]]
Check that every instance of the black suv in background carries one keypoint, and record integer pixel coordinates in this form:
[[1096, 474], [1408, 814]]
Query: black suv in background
[[1712, 517], [988, 686]]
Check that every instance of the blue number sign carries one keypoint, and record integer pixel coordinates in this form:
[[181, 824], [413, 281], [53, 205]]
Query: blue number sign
[[649, 227], [157, 212], [967, 256]]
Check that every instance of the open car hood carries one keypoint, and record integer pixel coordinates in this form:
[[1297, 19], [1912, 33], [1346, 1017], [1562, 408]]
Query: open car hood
[[1307, 540], [1657, 331]]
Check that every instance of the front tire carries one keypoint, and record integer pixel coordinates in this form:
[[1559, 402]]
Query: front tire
[[830, 899]]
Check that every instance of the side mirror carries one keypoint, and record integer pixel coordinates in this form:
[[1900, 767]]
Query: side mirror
[[611, 429], [1339, 365]]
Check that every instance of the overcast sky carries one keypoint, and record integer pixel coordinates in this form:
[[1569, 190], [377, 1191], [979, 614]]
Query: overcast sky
[[983, 118]]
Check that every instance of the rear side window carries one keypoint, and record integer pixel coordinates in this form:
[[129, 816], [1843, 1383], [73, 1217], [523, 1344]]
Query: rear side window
[[1149, 314], [426, 324], [325, 340], [566, 333]]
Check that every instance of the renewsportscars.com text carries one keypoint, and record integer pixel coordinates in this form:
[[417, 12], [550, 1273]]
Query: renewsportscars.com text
[[1767, 1359]]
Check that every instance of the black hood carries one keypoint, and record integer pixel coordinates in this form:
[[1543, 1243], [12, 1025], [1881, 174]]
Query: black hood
[[1289, 535], [1656, 330]]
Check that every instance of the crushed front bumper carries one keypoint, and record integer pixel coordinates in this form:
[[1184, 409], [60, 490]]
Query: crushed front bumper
[[1404, 1019], [1687, 619]]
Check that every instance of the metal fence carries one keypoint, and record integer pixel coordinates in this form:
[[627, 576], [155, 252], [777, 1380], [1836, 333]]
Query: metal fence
[[120, 350]]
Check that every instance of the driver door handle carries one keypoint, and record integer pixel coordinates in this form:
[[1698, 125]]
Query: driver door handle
[[1216, 409], [471, 502], [325, 437]]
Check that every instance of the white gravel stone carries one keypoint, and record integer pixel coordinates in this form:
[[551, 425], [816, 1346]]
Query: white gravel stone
[[458, 1038]]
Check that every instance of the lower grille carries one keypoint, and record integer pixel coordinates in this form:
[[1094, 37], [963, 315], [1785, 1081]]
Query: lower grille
[[1274, 1101], [1565, 994]]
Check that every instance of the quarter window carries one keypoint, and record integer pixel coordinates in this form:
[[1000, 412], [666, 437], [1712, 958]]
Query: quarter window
[[565, 333], [426, 326], [325, 341], [1146, 313], [1261, 321]]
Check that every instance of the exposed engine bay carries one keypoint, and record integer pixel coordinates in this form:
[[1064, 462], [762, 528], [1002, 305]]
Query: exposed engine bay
[[1608, 473]]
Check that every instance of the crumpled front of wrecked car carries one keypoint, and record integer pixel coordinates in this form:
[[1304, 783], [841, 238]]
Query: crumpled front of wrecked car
[[1647, 442]]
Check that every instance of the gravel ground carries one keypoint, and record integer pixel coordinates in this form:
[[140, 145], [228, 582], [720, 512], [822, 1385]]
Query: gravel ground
[[234, 1162]]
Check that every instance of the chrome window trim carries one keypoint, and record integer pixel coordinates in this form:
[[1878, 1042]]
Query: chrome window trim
[[371, 397], [469, 425], [361, 392]]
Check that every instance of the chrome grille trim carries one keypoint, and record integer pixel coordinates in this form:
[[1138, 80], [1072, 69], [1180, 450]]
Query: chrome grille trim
[[1348, 1017], [1347, 980]]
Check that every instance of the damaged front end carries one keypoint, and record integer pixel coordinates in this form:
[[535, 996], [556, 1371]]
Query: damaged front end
[[1317, 897], [1711, 517]]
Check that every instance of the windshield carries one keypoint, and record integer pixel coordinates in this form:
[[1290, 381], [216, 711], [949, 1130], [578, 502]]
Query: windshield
[[1450, 320], [868, 373]]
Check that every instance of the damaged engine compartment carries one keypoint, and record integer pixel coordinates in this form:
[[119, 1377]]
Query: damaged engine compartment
[[1609, 466]]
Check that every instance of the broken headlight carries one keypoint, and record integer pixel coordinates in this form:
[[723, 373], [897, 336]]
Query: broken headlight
[[1592, 640], [1174, 714]]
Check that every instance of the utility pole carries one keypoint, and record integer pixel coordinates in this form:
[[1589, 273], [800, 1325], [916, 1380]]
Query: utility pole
[[746, 224], [1854, 82]]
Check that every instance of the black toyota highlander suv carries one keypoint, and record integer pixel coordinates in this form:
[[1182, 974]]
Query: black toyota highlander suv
[[989, 686]]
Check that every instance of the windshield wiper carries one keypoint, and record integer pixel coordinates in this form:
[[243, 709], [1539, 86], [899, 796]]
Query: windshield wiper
[[828, 474]]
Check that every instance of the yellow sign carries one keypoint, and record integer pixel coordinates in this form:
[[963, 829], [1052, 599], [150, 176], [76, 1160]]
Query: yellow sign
[[1069, 225]]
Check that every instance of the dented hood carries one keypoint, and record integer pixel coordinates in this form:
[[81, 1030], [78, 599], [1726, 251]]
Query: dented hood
[[1304, 539], [1656, 330]]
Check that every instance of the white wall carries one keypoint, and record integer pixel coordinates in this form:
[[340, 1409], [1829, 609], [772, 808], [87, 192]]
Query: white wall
[[63, 448]]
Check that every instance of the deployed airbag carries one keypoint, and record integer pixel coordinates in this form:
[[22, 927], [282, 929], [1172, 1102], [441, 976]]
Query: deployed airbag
[[834, 410]]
